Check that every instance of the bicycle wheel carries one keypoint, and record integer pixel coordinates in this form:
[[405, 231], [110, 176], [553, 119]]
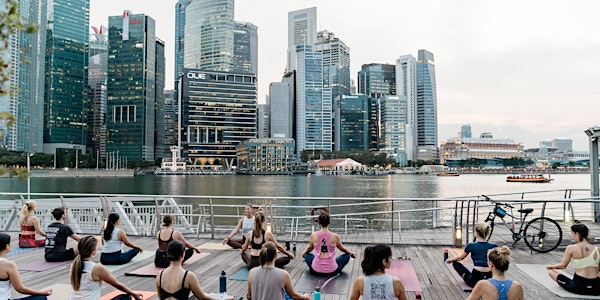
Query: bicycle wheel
[[491, 229], [542, 234]]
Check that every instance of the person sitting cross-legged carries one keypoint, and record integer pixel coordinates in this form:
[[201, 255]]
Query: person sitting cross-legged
[[497, 287], [57, 234]]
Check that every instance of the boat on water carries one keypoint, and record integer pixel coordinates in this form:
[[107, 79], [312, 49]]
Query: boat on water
[[448, 174], [538, 178]]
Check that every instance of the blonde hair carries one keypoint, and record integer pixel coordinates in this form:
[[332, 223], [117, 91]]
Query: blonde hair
[[28, 206], [500, 258], [483, 229]]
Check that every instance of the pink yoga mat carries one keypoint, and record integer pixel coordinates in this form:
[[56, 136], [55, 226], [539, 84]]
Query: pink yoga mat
[[151, 270], [404, 270], [42, 265], [459, 279]]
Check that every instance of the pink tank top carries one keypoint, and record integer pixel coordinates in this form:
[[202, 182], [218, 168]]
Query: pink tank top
[[323, 246]]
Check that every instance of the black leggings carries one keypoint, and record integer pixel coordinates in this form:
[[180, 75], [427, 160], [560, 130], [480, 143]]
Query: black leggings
[[579, 285], [252, 261], [161, 261], [469, 277]]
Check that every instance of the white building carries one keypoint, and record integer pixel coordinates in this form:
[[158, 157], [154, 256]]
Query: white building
[[406, 85], [302, 30]]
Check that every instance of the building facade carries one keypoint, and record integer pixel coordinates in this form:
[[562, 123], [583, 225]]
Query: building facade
[[281, 109], [264, 130], [426, 109], [266, 156], [180, 8], [218, 112], [393, 127], [66, 86], [302, 30], [484, 147], [245, 48], [209, 30], [406, 85], [134, 75], [97, 77], [351, 123], [336, 63], [161, 149]]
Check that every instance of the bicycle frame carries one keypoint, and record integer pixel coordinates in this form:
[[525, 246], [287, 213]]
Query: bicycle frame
[[516, 235]]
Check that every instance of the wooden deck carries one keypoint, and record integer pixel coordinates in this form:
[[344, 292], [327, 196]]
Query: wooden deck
[[426, 256]]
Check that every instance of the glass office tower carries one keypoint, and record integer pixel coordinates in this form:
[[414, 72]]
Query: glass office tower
[[406, 85], [351, 122], [245, 48], [66, 86], [336, 63], [97, 68], [426, 108], [302, 30], [180, 8]]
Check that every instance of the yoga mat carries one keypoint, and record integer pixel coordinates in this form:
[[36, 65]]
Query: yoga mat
[[404, 270], [459, 279], [540, 274], [151, 270], [137, 258], [42, 265], [60, 291], [18, 250], [339, 284], [216, 246], [145, 294], [241, 275]]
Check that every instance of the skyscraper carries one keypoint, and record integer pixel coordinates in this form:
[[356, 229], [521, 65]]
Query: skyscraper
[[302, 30], [281, 114], [97, 76], [465, 131], [209, 35], [66, 86], [313, 103], [245, 48], [406, 85], [426, 109], [336, 63], [393, 127], [180, 8], [375, 81], [160, 148], [351, 122], [134, 76], [25, 100]]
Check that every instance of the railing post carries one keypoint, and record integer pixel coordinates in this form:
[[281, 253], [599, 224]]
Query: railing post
[[157, 215], [212, 219], [392, 222]]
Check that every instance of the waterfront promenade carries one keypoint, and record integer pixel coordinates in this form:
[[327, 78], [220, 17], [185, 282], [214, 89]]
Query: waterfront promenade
[[425, 250]]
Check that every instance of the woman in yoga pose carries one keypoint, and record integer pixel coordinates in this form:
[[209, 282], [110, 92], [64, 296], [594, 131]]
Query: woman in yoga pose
[[114, 238], [167, 235], [586, 262], [497, 287], [478, 250], [246, 223], [9, 276], [255, 239], [376, 284], [30, 225]]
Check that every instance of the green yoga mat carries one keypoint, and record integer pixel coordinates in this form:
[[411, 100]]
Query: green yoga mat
[[137, 258], [241, 274]]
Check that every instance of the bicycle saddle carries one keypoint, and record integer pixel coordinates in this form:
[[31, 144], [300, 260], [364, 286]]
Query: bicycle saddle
[[526, 211]]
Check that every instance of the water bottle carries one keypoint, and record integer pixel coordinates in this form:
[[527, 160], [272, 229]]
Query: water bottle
[[294, 249], [223, 283], [417, 296], [445, 255], [317, 294]]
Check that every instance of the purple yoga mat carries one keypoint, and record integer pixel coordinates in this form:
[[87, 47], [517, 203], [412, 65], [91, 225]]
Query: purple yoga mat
[[42, 265], [459, 279], [404, 270]]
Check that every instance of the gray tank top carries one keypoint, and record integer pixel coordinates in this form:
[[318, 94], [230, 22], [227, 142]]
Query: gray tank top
[[266, 283], [247, 225]]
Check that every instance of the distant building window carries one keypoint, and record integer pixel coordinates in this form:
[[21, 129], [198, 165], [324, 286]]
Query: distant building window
[[124, 114]]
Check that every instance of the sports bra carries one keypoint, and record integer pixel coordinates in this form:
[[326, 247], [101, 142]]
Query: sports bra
[[587, 261], [502, 286], [163, 245], [181, 294], [255, 245], [26, 228]]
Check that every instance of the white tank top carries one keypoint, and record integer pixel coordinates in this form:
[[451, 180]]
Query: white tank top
[[247, 225], [88, 289], [379, 287], [5, 286], [113, 245]]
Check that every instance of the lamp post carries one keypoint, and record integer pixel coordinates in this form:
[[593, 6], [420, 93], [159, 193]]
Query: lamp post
[[76, 148], [28, 155], [594, 134]]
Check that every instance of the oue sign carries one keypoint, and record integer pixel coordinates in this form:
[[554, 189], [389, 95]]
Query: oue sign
[[196, 75]]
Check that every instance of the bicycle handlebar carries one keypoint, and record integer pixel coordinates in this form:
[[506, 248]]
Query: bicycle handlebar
[[496, 202]]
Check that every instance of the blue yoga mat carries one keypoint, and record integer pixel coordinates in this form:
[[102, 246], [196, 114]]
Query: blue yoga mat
[[241, 275], [16, 250]]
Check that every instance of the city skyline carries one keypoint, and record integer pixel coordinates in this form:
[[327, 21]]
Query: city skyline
[[539, 59]]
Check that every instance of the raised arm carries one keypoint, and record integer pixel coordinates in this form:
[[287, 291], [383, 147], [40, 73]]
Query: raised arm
[[122, 236], [17, 283], [100, 272], [234, 231]]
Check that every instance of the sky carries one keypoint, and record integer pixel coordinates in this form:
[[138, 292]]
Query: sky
[[522, 70]]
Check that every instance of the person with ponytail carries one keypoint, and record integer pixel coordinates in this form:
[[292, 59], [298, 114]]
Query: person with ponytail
[[114, 238], [57, 234], [245, 224], [87, 276], [176, 279], [375, 283], [478, 251], [585, 258], [10, 277], [269, 282], [256, 239], [324, 242], [30, 225], [167, 235], [498, 287]]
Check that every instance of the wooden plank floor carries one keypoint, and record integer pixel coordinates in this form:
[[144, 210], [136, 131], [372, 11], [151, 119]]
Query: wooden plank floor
[[426, 257]]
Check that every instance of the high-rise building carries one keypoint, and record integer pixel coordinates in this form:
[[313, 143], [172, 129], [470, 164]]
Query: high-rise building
[[351, 122], [97, 76], [563, 145], [465, 131], [313, 103], [134, 75], [245, 48], [281, 108], [170, 119], [208, 40], [426, 122], [218, 112], [263, 121], [302, 30], [406, 85], [336, 63], [375, 81], [66, 86], [160, 148], [25, 97], [180, 8], [393, 127]]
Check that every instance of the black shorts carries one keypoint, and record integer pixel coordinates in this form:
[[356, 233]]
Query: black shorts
[[579, 285], [68, 254]]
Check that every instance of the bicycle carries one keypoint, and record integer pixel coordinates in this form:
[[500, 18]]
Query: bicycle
[[541, 234]]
